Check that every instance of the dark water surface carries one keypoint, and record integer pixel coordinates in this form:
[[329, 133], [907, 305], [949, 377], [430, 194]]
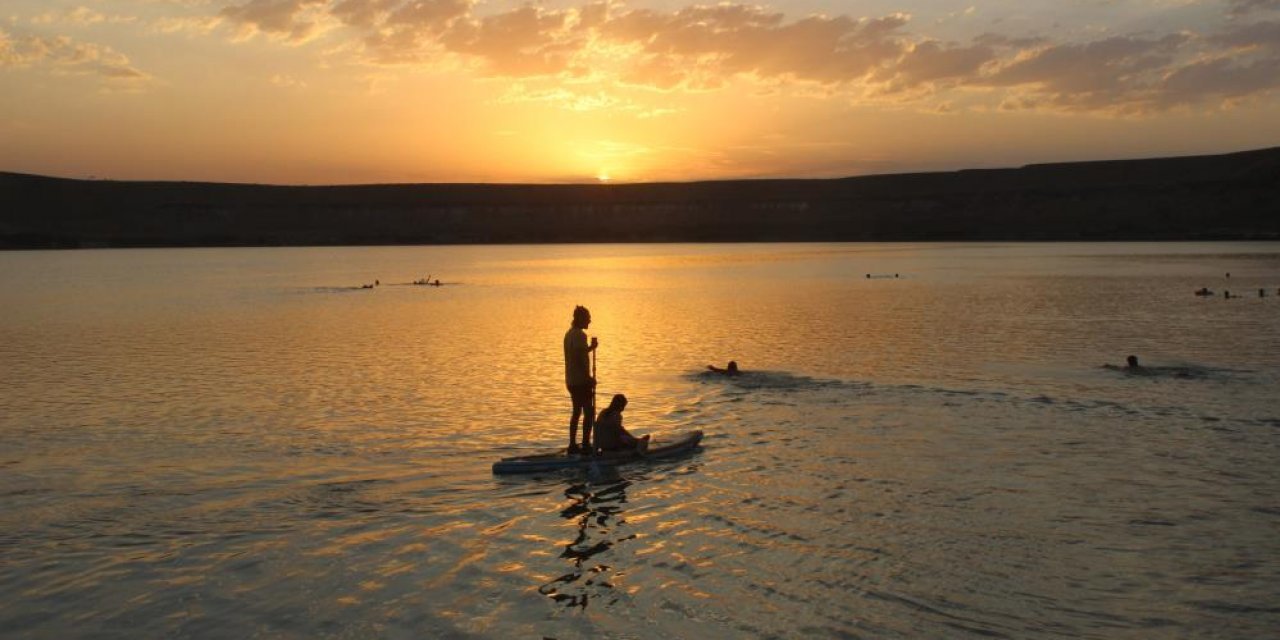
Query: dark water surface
[[232, 443]]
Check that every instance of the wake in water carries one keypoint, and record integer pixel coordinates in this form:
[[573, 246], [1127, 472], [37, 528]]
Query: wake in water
[[770, 380], [773, 388], [1186, 372]]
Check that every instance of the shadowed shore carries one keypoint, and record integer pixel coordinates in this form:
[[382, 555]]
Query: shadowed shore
[[1221, 197]]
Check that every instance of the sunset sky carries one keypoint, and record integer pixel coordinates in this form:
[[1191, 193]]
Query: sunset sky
[[359, 91]]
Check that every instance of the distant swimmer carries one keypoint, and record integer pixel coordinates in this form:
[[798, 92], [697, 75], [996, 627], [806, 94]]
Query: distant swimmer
[[611, 435], [731, 370], [1204, 291], [1131, 366]]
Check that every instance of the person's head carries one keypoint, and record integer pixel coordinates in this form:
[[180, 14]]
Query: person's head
[[581, 317], [1132, 360], [618, 403], [733, 366]]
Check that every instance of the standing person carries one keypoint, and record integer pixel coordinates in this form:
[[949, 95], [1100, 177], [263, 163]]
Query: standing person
[[577, 377]]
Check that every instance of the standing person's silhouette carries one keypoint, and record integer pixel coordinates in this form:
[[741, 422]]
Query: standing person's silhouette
[[578, 379]]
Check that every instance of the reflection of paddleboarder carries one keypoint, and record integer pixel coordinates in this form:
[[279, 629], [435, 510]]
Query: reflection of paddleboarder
[[578, 378]]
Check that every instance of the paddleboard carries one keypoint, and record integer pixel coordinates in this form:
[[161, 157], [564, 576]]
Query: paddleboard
[[660, 446]]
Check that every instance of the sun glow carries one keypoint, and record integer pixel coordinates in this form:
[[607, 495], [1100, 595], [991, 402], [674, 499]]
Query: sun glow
[[570, 91]]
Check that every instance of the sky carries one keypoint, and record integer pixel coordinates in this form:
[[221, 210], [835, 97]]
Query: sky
[[378, 91]]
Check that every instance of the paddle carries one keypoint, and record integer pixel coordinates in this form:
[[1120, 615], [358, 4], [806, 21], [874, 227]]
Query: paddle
[[594, 382]]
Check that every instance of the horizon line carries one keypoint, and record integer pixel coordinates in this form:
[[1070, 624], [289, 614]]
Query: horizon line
[[625, 183]]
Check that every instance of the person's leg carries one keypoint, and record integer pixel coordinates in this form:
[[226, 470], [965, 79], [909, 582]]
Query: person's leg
[[573, 422]]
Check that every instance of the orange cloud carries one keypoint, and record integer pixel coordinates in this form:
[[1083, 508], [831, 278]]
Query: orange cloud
[[699, 48], [65, 55], [289, 20]]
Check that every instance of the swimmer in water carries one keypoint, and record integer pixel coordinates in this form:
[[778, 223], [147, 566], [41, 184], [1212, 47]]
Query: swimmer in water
[[1131, 366]]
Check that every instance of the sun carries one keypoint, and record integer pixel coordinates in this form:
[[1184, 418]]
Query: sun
[[603, 176]]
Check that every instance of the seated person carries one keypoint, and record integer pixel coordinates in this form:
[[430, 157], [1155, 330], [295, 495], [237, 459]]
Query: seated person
[[609, 432], [731, 370]]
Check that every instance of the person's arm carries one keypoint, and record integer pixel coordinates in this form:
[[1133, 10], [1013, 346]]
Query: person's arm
[[581, 355]]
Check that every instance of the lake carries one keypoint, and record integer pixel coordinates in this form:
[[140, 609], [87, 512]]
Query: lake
[[230, 443]]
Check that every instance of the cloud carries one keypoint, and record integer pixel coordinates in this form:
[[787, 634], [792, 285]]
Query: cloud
[[79, 16], [931, 61], [1221, 78], [589, 54], [67, 56], [1088, 67], [1142, 75], [571, 99], [361, 13], [287, 82], [694, 47], [406, 33], [1097, 75], [1244, 7], [522, 42], [1261, 35], [193, 25], [293, 21], [727, 40], [1244, 65]]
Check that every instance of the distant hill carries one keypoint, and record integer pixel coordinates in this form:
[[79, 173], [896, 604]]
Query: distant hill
[[1234, 196]]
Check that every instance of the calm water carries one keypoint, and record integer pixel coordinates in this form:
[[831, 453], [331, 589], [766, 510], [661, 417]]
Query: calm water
[[236, 443]]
